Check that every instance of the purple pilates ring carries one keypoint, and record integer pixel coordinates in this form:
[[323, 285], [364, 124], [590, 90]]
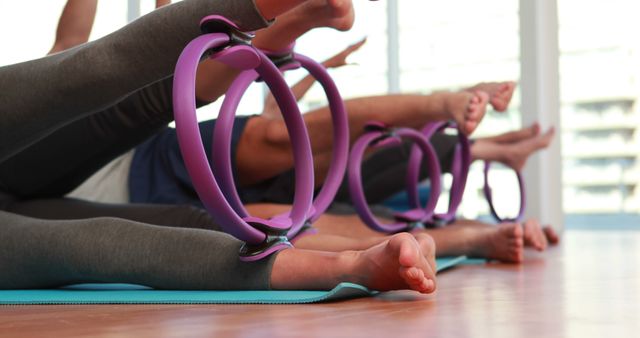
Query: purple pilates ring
[[378, 136], [221, 158], [489, 196], [459, 170], [262, 237]]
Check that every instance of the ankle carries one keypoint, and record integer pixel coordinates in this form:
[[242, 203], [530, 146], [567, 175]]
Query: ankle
[[348, 266], [442, 104]]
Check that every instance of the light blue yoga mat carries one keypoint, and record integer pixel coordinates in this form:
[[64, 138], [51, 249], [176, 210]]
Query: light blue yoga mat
[[448, 262], [136, 294]]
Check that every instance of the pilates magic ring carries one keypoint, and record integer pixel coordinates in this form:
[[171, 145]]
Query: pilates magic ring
[[261, 237], [489, 196], [221, 157], [378, 135], [459, 169]]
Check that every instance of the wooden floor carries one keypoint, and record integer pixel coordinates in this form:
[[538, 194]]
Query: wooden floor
[[587, 287]]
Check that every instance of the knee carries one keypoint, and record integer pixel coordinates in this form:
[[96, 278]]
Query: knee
[[270, 132], [276, 132]]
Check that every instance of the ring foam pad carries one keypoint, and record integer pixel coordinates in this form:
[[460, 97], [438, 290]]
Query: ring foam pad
[[220, 24], [239, 57]]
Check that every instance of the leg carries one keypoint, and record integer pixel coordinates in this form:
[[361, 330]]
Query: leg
[[104, 135], [42, 254], [74, 26], [63, 159], [408, 111], [504, 243], [39, 254], [516, 136], [181, 216], [384, 171], [91, 77], [533, 234], [513, 155]]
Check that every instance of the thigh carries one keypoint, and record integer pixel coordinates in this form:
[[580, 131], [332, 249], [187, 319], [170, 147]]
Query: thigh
[[61, 161], [182, 216], [42, 95]]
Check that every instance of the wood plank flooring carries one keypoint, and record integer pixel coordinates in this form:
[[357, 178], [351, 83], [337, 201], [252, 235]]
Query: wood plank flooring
[[589, 286]]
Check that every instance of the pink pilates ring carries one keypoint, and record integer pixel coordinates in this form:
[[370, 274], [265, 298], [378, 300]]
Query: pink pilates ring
[[216, 188], [459, 170], [378, 135], [489, 196], [262, 237], [221, 157]]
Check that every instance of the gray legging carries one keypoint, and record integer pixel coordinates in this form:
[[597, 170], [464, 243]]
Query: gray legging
[[68, 114]]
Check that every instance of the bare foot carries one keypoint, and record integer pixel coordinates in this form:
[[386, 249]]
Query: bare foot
[[551, 234], [534, 236], [517, 135], [500, 93], [503, 242], [336, 14], [516, 154], [428, 248], [395, 264], [467, 109], [337, 243]]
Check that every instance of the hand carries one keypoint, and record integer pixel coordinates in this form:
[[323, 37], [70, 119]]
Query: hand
[[340, 59]]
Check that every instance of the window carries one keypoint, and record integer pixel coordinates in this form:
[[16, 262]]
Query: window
[[600, 93], [445, 48]]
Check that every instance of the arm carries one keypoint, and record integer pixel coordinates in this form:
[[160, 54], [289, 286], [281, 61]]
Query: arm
[[75, 24], [160, 3], [271, 108]]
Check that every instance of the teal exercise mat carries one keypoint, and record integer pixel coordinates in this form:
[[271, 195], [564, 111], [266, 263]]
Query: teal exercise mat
[[446, 263], [136, 294]]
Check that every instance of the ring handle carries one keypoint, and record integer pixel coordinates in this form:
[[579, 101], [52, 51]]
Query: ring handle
[[489, 196]]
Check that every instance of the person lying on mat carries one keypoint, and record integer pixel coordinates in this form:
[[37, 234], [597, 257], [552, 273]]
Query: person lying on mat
[[92, 103]]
